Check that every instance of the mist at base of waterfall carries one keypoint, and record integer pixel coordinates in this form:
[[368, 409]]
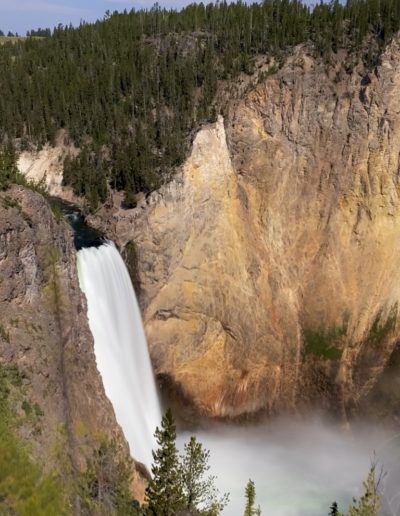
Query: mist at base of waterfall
[[300, 468]]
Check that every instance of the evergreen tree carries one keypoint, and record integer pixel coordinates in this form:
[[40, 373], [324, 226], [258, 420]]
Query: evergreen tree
[[164, 493], [370, 502], [250, 495], [105, 484], [334, 510], [133, 88], [25, 489], [201, 495], [9, 173]]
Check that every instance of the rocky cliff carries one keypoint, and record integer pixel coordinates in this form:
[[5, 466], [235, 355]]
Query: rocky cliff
[[44, 333], [269, 265]]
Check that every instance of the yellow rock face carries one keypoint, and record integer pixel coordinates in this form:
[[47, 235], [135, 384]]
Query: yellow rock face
[[270, 266]]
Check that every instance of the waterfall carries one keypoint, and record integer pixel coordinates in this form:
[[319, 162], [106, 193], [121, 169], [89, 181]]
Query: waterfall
[[120, 346]]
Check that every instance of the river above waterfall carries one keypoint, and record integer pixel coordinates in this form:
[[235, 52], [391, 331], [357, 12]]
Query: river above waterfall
[[84, 235]]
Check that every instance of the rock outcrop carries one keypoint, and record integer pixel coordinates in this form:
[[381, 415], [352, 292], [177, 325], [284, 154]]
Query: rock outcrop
[[269, 265], [44, 332], [46, 166]]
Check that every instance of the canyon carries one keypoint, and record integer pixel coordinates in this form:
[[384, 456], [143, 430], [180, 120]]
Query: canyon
[[268, 264]]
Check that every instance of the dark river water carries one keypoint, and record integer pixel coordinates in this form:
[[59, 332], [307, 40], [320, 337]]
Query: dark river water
[[84, 235]]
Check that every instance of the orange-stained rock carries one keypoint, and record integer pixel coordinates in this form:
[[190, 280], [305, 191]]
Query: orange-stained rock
[[269, 265]]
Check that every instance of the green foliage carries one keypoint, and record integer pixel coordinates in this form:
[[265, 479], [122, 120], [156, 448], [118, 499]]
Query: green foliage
[[39, 33], [164, 493], [10, 378], [180, 484], [370, 502], [132, 89], [104, 487], [9, 202], [200, 494], [325, 343], [56, 210], [87, 175], [8, 169], [379, 329], [9, 174], [24, 488], [37, 410], [334, 510], [53, 287], [26, 407], [250, 495]]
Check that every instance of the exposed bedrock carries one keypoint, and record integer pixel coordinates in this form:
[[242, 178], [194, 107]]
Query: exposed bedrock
[[269, 265], [45, 334]]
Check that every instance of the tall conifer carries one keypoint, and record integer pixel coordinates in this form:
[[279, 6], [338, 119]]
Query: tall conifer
[[164, 492]]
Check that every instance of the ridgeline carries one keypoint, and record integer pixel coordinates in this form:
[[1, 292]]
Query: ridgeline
[[132, 89]]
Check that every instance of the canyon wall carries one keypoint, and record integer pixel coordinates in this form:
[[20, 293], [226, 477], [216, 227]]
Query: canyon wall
[[44, 333], [269, 265]]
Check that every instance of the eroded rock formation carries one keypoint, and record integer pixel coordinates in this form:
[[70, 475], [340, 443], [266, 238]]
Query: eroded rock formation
[[44, 332], [269, 266]]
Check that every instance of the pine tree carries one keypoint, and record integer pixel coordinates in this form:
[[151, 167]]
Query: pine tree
[[370, 502], [201, 495], [334, 510], [25, 489], [164, 492], [105, 483], [250, 495]]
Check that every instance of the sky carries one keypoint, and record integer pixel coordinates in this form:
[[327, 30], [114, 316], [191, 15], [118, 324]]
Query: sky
[[22, 15]]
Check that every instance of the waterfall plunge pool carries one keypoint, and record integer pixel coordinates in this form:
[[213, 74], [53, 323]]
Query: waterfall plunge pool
[[299, 468]]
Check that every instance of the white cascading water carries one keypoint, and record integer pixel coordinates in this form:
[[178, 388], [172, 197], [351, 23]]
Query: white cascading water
[[299, 468], [120, 346]]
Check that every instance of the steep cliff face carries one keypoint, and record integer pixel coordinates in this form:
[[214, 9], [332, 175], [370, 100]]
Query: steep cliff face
[[269, 266], [46, 166], [44, 332]]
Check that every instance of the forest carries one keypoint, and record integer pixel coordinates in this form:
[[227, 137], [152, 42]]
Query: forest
[[132, 89]]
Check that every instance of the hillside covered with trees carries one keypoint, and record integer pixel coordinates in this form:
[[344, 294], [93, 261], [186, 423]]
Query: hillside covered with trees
[[132, 89]]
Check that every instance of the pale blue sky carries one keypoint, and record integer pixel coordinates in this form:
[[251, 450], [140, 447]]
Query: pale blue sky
[[22, 15]]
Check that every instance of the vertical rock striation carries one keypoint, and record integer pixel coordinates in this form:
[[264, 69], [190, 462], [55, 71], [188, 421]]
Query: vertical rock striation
[[269, 265], [45, 333]]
